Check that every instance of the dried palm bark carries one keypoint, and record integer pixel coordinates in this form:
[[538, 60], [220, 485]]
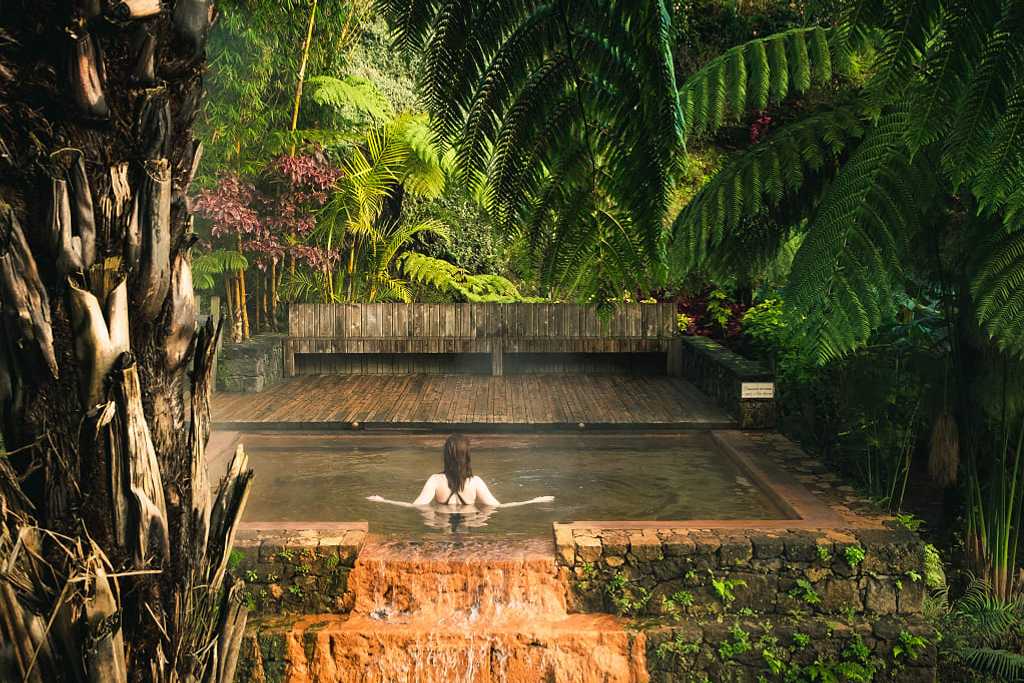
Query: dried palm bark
[[113, 552]]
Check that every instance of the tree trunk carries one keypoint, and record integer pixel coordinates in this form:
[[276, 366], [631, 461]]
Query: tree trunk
[[112, 552]]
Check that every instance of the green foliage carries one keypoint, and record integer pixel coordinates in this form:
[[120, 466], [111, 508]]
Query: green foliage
[[567, 117], [724, 588], [805, 592], [673, 605], [979, 632], [801, 640], [355, 98], [824, 556], [854, 555], [738, 645], [909, 646], [627, 597], [676, 648], [750, 76], [939, 116], [207, 265], [449, 278], [235, 558]]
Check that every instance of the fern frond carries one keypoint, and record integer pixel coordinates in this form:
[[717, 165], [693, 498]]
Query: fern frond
[[1001, 166], [205, 266], [350, 93], [751, 75], [998, 291], [759, 179], [1001, 665], [843, 275], [964, 26], [995, 77]]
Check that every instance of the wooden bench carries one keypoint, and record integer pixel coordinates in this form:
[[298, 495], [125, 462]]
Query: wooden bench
[[494, 329]]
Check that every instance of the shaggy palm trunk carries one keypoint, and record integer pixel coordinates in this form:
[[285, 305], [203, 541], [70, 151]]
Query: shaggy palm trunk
[[113, 555]]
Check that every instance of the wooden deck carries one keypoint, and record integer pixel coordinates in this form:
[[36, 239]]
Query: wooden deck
[[336, 401]]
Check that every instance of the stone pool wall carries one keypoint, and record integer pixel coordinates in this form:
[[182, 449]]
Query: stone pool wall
[[721, 374], [736, 604], [251, 366], [297, 571]]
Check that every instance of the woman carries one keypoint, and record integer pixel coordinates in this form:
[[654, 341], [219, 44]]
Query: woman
[[457, 488]]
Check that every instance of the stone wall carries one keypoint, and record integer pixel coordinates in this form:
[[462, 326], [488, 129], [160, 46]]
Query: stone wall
[[299, 572], [252, 366], [721, 374], [713, 600]]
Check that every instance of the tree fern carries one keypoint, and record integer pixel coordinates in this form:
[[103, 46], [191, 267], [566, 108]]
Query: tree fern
[[496, 73]]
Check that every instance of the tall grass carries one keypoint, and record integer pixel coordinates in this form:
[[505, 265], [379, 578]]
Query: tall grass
[[994, 509]]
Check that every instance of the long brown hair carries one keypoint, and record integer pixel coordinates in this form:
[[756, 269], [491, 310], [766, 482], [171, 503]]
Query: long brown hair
[[457, 469]]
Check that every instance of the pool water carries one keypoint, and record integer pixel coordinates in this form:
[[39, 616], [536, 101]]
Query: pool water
[[326, 478]]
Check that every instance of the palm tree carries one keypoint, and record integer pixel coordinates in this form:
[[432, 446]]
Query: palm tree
[[113, 555]]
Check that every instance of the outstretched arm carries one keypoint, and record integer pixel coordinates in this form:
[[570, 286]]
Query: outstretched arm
[[426, 495], [486, 498]]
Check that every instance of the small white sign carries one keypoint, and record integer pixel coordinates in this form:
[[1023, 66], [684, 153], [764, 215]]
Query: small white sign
[[757, 390]]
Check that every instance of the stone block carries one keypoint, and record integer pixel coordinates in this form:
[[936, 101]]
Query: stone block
[[564, 546], [839, 594], [767, 546], [588, 548], [735, 550], [910, 600], [801, 546], [645, 546], [880, 596], [615, 542]]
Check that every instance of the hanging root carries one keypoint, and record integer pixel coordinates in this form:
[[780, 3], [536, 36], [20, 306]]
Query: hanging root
[[944, 453], [153, 127], [150, 230], [226, 515], [105, 659], [26, 305], [86, 76], [232, 628]]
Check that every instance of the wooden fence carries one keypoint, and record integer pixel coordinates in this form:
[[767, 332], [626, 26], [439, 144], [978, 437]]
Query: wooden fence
[[494, 329]]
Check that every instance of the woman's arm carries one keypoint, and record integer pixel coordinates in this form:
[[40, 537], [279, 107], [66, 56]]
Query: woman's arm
[[422, 500], [486, 498], [538, 499]]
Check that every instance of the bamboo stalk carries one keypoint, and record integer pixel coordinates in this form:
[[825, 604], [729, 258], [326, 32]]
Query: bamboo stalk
[[302, 71]]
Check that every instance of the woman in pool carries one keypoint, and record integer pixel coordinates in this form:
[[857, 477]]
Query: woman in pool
[[457, 488]]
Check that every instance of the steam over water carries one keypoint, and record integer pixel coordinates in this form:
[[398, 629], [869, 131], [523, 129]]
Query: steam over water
[[326, 477]]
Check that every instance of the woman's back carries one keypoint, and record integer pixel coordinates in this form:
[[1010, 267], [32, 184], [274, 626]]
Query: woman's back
[[473, 492]]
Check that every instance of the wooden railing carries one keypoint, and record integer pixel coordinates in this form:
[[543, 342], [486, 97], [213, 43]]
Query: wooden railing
[[495, 329]]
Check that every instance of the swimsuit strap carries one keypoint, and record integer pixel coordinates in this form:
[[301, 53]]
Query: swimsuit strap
[[457, 495]]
